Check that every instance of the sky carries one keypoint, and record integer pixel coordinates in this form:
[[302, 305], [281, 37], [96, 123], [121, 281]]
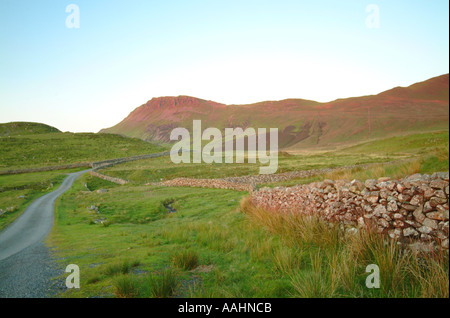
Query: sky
[[87, 69]]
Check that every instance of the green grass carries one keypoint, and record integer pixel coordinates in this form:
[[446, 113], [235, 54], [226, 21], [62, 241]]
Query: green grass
[[128, 244], [428, 147], [162, 168], [324, 261], [185, 259], [406, 145], [52, 149], [213, 247], [18, 191], [424, 164], [25, 128]]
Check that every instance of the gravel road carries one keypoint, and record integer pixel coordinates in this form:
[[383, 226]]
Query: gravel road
[[26, 265]]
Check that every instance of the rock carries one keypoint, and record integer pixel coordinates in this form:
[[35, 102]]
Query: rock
[[425, 229], [438, 184], [384, 194], [409, 207], [398, 216], [415, 177], [440, 194], [383, 179], [371, 184], [416, 200], [428, 193], [444, 243], [435, 201], [438, 216], [372, 199], [400, 188], [379, 210], [358, 185], [430, 223], [404, 198], [392, 206], [427, 207], [418, 215], [410, 232], [102, 190]]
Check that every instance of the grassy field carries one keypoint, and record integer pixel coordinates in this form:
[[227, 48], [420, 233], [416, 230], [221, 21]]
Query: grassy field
[[140, 240], [217, 245], [34, 145], [152, 170], [18, 191], [52, 149], [427, 147]]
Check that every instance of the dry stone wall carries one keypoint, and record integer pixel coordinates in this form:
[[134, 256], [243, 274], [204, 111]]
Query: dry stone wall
[[250, 182], [50, 168], [108, 178], [112, 162], [412, 210]]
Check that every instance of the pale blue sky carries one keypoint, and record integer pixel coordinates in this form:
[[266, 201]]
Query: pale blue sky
[[233, 52]]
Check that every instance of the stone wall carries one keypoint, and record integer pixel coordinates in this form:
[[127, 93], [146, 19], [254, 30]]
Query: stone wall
[[112, 162], [412, 209], [207, 183], [109, 163], [50, 168], [250, 182], [108, 178]]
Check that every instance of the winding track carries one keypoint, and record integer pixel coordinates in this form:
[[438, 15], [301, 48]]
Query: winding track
[[26, 268]]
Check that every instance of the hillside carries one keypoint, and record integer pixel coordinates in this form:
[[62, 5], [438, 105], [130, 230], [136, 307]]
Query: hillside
[[25, 128], [31, 145], [302, 124]]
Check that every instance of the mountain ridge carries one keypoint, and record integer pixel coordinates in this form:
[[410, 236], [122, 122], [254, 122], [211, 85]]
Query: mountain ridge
[[422, 106]]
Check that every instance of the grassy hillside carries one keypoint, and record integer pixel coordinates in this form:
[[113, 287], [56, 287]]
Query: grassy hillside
[[56, 148], [25, 128], [302, 124]]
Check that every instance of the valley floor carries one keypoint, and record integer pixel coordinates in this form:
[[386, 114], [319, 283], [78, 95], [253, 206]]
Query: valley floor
[[146, 239]]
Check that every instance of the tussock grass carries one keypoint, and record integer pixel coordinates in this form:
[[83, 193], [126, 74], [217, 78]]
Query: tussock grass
[[120, 267], [160, 286], [186, 259], [323, 260], [126, 286]]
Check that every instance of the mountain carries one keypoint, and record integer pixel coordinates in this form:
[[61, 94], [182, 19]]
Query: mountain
[[302, 124]]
